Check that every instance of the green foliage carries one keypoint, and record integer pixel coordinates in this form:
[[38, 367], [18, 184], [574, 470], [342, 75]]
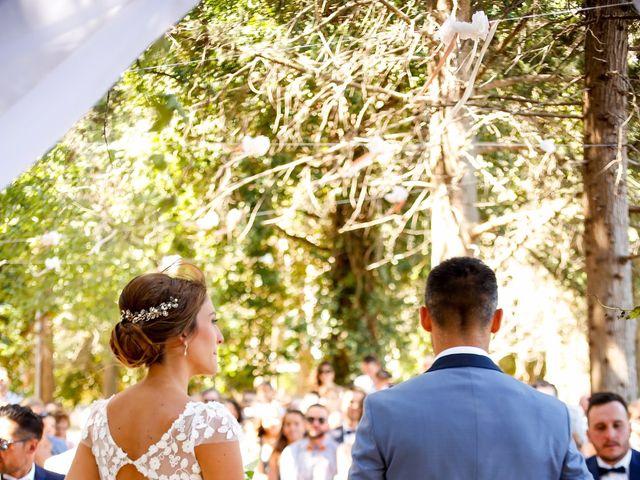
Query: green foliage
[[289, 282]]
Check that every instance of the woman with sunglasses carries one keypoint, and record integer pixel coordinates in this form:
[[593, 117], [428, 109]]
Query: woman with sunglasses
[[329, 393], [153, 429]]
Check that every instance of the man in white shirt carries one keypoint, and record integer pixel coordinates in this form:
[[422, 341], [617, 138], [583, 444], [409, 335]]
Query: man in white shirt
[[20, 432], [609, 432], [370, 367], [6, 395], [313, 457]]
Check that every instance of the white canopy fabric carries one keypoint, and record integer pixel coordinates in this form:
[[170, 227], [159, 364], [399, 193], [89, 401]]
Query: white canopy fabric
[[58, 57]]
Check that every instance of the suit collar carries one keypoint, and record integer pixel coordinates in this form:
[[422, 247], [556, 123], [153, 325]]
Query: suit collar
[[459, 360], [634, 466]]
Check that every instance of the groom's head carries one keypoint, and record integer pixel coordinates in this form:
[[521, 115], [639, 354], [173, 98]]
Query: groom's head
[[461, 298]]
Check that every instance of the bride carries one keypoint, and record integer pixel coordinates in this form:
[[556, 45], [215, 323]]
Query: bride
[[152, 429]]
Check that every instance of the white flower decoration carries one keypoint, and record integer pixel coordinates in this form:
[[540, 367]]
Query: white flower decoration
[[53, 263], [255, 147], [50, 239], [382, 149], [547, 146], [399, 194], [233, 218], [209, 221], [476, 30]]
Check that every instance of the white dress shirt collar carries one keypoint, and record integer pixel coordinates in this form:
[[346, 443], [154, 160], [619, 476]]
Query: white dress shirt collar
[[456, 350], [29, 476], [624, 462]]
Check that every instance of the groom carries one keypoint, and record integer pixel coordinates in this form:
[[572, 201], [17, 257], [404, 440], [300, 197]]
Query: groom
[[464, 418]]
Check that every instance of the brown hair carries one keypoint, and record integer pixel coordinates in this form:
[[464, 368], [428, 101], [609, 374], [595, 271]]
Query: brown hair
[[143, 343], [282, 440]]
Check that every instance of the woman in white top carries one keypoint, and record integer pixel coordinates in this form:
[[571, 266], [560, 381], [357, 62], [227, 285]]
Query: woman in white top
[[152, 430]]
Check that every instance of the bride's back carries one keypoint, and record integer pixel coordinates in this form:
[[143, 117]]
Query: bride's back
[[152, 430], [138, 418]]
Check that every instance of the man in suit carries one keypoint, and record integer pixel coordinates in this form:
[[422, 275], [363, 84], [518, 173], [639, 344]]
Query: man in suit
[[20, 432], [609, 432], [464, 418]]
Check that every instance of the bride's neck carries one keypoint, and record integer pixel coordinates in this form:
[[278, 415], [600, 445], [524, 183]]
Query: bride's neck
[[172, 376]]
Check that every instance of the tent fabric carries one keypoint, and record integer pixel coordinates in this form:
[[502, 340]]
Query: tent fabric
[[59, 57]]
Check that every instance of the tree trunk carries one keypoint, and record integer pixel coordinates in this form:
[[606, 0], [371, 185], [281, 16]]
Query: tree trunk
[[110, 378], [611, 339], [453, 211], [44, 357], [352, 286]]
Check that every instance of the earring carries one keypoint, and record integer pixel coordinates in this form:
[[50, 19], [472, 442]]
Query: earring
[[186, 347]]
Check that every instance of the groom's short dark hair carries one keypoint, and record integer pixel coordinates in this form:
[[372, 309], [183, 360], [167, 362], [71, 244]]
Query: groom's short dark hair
[[461, 292]]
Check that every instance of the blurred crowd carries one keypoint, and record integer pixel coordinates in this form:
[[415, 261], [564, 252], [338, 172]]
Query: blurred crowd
[[285, 437]]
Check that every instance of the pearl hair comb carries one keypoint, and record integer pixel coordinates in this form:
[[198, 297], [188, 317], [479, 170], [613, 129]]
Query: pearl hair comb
[[144, 316]]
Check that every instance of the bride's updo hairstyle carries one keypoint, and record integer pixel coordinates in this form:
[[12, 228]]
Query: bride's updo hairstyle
[[154, 308]]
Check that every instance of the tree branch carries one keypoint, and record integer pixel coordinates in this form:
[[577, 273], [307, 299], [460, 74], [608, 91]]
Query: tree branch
[[507, 82], [302, 239], [405, 18]]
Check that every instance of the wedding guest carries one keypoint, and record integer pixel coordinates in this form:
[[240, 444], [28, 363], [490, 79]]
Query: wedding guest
[[63, 422], [57, 444], [609, 432], [370, 367], [328, 392], [6, 395], [352, 403], [464, 418], [235, 409], [210, 395], [545, 387], [383, 380], [634, 420], [20, 432], [293, 429], [313, 457], [153, 429], [268, 431], [577, 418]]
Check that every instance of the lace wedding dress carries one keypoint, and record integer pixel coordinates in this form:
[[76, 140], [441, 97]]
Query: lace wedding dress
[[173, 456]]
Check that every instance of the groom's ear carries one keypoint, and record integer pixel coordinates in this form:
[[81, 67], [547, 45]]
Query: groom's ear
[[496, 322], [425, 319]]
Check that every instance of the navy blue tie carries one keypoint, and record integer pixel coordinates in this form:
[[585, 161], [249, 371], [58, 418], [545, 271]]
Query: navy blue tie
[[605, 471]]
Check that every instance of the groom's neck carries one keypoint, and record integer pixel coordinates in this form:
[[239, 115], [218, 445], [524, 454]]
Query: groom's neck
[[443, 340]]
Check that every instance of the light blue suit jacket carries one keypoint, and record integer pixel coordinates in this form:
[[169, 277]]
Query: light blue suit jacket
[[465, 420]]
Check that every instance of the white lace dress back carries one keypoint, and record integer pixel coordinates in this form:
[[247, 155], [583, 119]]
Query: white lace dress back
[[173, 456]]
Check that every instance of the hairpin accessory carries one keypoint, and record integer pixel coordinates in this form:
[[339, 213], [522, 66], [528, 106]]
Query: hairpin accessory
[[143, 315]]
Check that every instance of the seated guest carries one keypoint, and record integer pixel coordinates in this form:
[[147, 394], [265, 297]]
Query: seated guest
[[576, 415], [383, 380], [352, 403], [292, 430], [313, 457], [20, 433], [370, 367], [545, 387], [6, 395], [352, 408], [210, 395], [329, 394], [609, 432]]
